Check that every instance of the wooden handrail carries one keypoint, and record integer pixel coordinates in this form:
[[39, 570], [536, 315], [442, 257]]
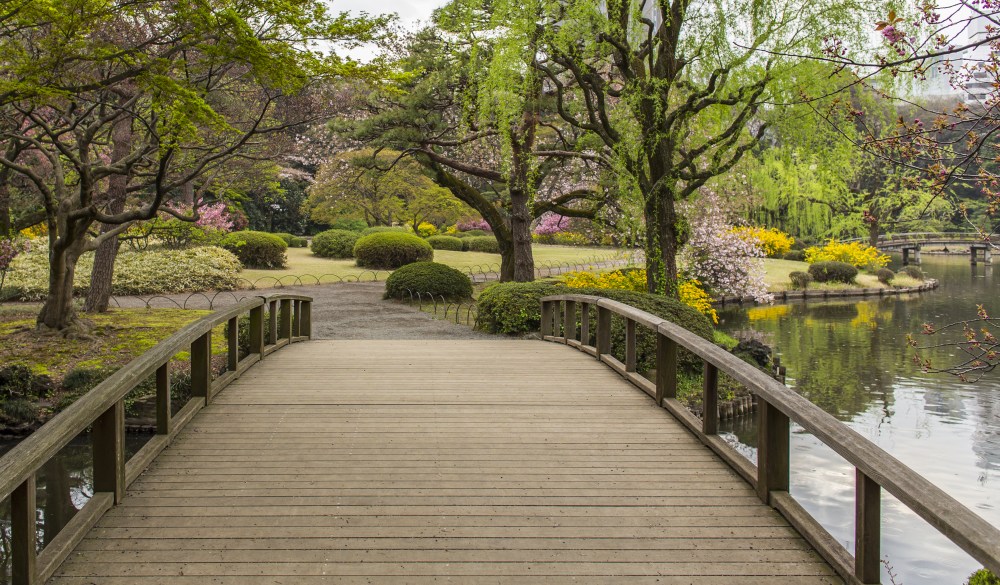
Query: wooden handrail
[[102, 409], [876, 469]]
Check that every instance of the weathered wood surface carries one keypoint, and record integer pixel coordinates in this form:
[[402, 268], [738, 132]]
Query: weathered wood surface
[[438, 461]]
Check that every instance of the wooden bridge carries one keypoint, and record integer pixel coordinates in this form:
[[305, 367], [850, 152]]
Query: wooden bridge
[[496, 461], [909, 244]]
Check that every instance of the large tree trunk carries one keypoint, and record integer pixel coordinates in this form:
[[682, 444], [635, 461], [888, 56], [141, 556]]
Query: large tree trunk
[[58, 312], [99, 294], [662, 244], [522, 260]]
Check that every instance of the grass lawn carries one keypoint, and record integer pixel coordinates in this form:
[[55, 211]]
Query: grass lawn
[[306, 268], [776, 278]]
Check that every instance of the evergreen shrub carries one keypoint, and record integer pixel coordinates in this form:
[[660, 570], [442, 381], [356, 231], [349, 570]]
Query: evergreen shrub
[[390, 250], [428, 277], [833, 272], [256, 249], [445, 243], [487, 244], [335, 243]]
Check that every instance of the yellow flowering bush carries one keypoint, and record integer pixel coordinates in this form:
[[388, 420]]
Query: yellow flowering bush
[[36, 231], [426, 229], [690, 291], [775, 243], [853, 253]]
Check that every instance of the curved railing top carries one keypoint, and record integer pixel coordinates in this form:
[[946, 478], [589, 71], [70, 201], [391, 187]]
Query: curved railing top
[[916, 237], [966, 529]]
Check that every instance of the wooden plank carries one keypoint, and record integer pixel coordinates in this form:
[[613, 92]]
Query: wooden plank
[[70, 536]]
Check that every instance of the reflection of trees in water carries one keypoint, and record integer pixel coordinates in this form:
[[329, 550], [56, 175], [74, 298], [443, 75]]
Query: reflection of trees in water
[[64, 484], [986, 437]]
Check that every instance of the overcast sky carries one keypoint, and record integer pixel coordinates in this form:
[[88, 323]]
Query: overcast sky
[[410, 12]]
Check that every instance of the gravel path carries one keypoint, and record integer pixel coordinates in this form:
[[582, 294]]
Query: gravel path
[[353, 310]]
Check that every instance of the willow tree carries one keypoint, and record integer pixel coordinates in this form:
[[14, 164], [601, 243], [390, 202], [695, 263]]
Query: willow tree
[[148, 97], [680, 90]]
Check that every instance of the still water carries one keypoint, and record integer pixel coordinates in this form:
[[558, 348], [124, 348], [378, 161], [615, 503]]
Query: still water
[[851, 359]]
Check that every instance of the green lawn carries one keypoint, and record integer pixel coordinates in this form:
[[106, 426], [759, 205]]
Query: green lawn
[[305, 268], [776, 277]]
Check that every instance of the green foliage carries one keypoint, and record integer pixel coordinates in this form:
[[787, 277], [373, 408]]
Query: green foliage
[[833, 272], [18, 411], [795, 255], [445, 243], [381, 229], [428, 277], [18, 382], [335, 243], [390, 250], [298, 242], [471, 234], [487, 244], [885, 275], [349, 224], [286, 237], [256, 249], [176, 234], [800, 279], [914, 272], [983, 577], [136, 273]]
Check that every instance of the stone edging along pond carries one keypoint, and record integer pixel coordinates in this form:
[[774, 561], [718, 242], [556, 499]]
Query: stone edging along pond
[[799, 295]]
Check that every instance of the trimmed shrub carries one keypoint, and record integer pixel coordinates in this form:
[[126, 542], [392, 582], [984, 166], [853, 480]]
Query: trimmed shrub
[[136, 273], [914, 272], [335, 243], [885, 275], [286, 237], [515, 307], [428, 277], [445, 243], [800, 279], [796, 255], [298, 242], [487, 244], [351, 225], [381, 229], [391, 250], [833, 272], [256, 249], [472, 234]]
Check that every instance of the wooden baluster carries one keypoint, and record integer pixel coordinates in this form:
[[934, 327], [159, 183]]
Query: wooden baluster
[[23, 510], [257, 330], [285, 319], [163, 413], [630, 345], [556, 320], [272, 333], [547, 319], [603, 331], [569, 320], [584, 323], [666, 368], [305, 323], [107, 438], [867, 529], [773, 429], [233, 353], [201, 367], [710, 399], [296, 317]]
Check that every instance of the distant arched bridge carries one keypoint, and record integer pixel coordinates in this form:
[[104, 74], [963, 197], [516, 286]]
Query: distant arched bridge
[[910, 243]]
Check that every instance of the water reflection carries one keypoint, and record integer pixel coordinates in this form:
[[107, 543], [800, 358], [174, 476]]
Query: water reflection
[[851, 359]]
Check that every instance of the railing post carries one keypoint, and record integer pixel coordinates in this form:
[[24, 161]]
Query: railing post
[[272, 333], [603, 331], [772, 451], [630, 341], [569, 320], [305, 324], [23, 509], [867, 529], [296, 317], [557, 320], [666, 368], [163, 413], [710, 399], [233, 353], [584, 323], [257, 330], [285, 319], [201, 367], [547, 318], [107, 437]]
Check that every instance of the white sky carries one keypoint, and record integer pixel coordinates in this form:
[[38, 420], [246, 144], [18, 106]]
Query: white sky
[[410, 13]]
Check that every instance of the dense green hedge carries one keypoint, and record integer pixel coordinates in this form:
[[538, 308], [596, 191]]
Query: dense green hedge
[[389, 250], [914, 272], [445, 243], [472, 234], [136, 273], [382, 229], [481, 244], [293, 241], [335, 243], [428, 277], [833, 272], [515, 307], [256, 249]]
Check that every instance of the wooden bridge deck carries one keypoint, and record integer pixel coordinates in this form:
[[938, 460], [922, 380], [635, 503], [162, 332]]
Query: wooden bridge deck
[[438, 461]]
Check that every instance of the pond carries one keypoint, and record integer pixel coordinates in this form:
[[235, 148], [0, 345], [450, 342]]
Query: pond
[[851, 359]]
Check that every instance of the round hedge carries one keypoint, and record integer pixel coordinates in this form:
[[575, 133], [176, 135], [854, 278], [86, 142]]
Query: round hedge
[[796, 255], [285, 236], [800, 279], [914, 272], [428, 277], [381, 229], [389, 250], [298, 242], [472, 234], [256, 249], [885, 275], [487, 244], [445, 243], [833, 272], [335, 243]]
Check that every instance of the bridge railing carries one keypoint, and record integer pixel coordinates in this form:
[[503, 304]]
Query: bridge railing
[[778, 406], [902, 238], [274, 322]]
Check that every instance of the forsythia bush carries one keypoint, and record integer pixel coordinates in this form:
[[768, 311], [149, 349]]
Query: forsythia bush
[[692, 295], [775, 243], [426, 229], [689, 291], [853, 253]]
